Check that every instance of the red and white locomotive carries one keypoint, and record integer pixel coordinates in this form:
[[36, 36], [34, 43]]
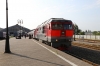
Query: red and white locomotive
[[56, 32]]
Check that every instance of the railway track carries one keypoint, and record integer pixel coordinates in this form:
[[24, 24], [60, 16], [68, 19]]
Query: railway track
[[89, 40], [87, 55], [88, 46], [86, 52]]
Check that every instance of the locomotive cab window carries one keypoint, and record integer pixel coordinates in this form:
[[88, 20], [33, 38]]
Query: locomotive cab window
[[67, 26], [57, 26]]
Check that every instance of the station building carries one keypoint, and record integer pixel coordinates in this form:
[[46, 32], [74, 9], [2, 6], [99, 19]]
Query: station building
[[15, 29]]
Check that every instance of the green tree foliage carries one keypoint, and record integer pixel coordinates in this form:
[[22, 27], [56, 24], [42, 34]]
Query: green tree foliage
[[76, 29], [79, 31], [96, 33], [82, 33]]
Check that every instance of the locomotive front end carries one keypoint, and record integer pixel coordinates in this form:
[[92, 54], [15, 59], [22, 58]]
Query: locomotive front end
[[61, 33]]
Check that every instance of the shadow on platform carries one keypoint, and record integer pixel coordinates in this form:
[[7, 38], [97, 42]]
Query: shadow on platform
[[36, 59]]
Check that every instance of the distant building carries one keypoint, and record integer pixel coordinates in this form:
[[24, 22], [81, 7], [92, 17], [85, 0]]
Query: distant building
[[1, 29], [88, 33], [13, 30]]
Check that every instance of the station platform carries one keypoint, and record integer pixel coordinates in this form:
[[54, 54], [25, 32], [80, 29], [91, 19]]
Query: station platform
[[29, 52]]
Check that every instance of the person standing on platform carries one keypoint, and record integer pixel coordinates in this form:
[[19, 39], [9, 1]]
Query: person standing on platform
[[25, 36]]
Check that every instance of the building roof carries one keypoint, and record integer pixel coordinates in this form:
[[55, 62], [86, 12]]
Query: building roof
[[15, 26], [1, 29]]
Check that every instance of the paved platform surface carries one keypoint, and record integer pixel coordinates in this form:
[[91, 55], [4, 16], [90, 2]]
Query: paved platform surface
[[29, 52]]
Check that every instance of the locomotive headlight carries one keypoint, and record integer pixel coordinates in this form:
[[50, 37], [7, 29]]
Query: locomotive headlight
[[56, 40]]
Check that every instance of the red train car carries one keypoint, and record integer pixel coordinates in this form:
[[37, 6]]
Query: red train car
[[56, 32]]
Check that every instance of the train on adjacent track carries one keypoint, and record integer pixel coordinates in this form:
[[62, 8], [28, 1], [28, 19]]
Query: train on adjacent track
[[56, 32]]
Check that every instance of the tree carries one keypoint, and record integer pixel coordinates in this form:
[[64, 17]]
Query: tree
[[75, 30], [95, 32], [82, 33], [79, 31]]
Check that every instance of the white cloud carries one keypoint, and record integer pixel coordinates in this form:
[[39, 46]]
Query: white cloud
[[98, 2], [95, 4]]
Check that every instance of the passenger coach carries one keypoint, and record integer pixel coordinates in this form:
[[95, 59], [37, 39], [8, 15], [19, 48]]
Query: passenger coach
[[56, 32]]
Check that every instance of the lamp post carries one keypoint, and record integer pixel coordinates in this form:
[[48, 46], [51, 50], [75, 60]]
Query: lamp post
[[20, 22], [74, 35], [74, 31], [7, 47]]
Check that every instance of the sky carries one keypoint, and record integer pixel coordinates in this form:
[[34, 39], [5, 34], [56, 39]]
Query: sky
[[84, 13]]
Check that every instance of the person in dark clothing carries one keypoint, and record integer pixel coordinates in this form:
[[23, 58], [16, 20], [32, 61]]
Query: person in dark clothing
[[25, 36], [29, 36]]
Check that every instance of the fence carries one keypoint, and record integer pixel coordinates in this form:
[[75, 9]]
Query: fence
[[92, 37]]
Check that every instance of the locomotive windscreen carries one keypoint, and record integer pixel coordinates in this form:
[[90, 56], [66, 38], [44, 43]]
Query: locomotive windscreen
[[61, 24], [67, 26], [57, 26]]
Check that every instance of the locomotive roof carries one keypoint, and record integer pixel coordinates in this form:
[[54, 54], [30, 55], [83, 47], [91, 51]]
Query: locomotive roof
[[57, 18], [53, 19], [60, 19]]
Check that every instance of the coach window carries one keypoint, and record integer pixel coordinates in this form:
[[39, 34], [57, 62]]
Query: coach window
[[43, 30], [49, 26]]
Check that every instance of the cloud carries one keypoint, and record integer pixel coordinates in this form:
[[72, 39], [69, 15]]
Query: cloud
[[98, 2], [95, 4]]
